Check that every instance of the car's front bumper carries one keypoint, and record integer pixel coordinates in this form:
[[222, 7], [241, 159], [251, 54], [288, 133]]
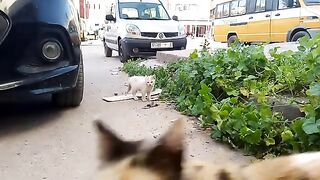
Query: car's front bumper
[[144, 46], [47, 82]]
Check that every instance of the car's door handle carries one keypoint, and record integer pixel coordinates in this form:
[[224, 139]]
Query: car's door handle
[[278, 14], [250, 17], [268, 15]]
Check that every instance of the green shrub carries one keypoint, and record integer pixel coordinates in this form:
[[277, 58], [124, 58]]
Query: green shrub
[[229, 89]]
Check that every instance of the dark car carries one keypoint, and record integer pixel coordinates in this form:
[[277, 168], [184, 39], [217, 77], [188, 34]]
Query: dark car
[[40, 50]]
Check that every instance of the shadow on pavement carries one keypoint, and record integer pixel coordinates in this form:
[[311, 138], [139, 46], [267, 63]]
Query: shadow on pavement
[[23, 114]]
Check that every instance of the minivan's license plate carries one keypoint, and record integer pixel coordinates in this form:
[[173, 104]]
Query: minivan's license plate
[[155, 45]]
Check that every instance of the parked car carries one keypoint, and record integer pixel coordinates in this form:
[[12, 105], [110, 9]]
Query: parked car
[[40, 50], [140, 28], [83, 32]]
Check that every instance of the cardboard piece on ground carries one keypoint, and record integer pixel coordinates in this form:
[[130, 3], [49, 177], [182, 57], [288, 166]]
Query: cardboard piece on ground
[[129, 96]]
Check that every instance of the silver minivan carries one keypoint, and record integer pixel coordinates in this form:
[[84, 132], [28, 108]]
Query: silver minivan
[[140, 28]]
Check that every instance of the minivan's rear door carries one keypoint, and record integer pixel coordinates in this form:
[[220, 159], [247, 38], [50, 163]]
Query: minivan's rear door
[[4, 26]]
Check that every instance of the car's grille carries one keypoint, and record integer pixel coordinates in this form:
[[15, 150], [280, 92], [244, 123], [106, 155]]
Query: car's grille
[[171, 34], [4, 26], [149, 34], [154, 35]]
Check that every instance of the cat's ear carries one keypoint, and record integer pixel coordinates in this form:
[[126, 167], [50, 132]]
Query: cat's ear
[[112, 147], [153, 76], [167, 155]]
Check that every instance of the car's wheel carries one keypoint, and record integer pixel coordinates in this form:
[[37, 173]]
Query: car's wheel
[[72, 97], [232, 39], [299, 35], [123, 54], [107, 50]]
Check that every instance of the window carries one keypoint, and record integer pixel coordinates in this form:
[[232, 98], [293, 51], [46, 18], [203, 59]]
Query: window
[[242, 7], [260, 5], [219, 11], [234, 8], [285, 4], [185, 7], [129, 13], [150, 13], [312, 2], [138, 10], [226, 8], [238, 7]]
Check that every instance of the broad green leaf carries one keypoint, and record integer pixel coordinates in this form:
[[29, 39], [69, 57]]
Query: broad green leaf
[[252, 117], [286, 135], [310, 126], [224, 114], [269, 141], [254, 137], [314, 90], [194, 54], [216, 134], [244, 92], [234, 100], [316, 52], [250, 77], [232, 92]]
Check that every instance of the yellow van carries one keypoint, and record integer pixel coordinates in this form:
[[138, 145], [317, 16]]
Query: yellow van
[[266, 20]]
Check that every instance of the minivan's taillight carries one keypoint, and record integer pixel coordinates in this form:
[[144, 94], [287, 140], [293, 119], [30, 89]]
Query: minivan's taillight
[[4, 26]]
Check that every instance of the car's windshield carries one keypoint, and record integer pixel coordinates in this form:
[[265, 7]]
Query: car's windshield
[[142, 10], [312, 2]]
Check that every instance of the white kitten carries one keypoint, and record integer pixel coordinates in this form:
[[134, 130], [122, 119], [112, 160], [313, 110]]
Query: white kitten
[[144, 84]]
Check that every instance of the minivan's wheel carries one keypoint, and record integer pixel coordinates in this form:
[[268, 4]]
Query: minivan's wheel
[[299, 35], [107, 50], [123, 54], [72, 97], [232, 39]]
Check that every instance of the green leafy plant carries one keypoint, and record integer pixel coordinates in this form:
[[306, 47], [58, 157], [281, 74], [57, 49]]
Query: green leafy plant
[[229, 90]]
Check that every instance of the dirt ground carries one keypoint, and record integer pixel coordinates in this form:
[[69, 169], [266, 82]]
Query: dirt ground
[[39, 141]]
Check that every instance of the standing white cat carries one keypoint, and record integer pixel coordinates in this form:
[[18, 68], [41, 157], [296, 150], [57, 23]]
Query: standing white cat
[[144, 84]]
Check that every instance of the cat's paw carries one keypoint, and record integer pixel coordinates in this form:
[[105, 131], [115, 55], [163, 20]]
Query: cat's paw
[[135, 98]]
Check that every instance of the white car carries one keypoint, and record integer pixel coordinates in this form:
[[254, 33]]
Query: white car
[[140, 28]]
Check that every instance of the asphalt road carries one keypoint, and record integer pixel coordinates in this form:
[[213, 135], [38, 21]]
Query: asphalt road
[[39, 141]]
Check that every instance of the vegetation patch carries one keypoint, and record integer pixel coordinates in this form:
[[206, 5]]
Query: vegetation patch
[[229, 91]]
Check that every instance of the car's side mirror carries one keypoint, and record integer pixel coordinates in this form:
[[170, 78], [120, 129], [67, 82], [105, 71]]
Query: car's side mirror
[[175, 18], [110, 17]]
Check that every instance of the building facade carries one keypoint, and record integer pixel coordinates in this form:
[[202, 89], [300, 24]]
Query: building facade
[[194, 14]]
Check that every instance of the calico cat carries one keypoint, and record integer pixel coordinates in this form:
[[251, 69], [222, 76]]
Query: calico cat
[[133, 160], [144, 84]]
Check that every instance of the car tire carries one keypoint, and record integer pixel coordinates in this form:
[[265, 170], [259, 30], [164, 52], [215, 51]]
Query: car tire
[[123, 54], [232, 39], [107, 50], [74, 96], [299, 35]]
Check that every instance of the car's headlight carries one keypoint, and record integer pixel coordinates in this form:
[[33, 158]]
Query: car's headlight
[[133, 30], [181, 30]]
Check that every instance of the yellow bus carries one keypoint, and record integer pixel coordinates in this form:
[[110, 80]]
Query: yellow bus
[[266, 20]]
